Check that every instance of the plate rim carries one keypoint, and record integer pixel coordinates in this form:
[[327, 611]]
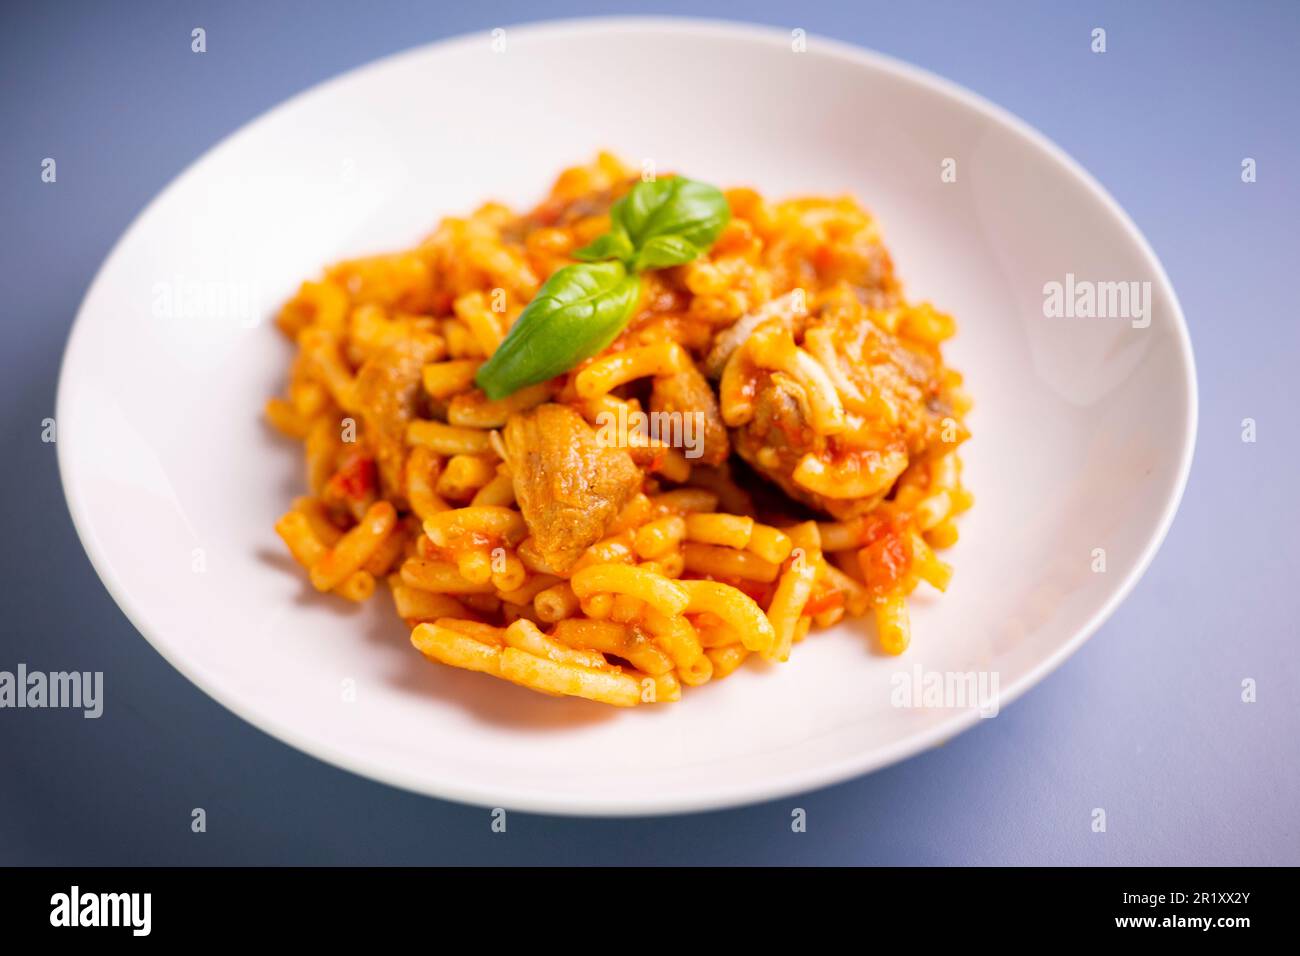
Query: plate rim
[[719, 796]]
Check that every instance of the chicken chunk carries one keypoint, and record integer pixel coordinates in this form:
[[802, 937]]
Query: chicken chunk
[[838, 408], [569, 487], [687, 394], [389, 395]]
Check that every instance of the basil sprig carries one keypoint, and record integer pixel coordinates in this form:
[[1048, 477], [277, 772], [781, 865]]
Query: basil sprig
[[581, 308], [576, 313], [662, 223]]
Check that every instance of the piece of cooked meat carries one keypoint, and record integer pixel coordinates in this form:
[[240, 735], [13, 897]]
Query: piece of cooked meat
[[687, 393], [731, 338], [389, 395], [568, 486], [892, 410]]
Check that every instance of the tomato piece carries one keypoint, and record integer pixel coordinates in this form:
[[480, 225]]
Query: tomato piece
[[887, 557], [357, 479], [826, 600], [761, 592]]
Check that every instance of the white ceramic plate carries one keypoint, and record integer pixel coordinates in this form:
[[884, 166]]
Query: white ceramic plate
[[1083, 427]]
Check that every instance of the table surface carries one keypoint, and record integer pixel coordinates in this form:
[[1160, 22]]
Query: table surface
[[1146, 721]]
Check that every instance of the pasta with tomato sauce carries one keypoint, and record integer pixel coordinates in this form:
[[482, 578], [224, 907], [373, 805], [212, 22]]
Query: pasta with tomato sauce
[[753, 435]]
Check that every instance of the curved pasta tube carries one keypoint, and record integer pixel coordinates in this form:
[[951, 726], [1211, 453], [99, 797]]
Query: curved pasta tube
[[851, 479], [774, 349], [664, 595], [737, 610], [735, 392], [679, 639], [791, 596], [492, 521], [618, 368]]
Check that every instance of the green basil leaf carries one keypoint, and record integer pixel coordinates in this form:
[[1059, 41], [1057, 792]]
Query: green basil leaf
[[680, 207], [582, 307], [664, 251], [612, 245], [575, 314]]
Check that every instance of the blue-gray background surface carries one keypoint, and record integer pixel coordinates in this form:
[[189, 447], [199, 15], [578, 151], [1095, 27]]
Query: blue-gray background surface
[[1146, 721]]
